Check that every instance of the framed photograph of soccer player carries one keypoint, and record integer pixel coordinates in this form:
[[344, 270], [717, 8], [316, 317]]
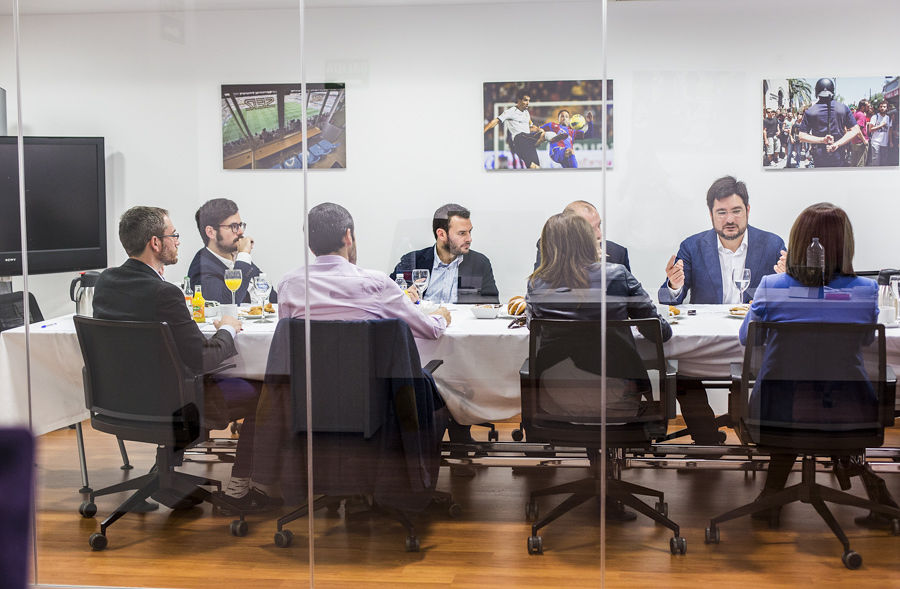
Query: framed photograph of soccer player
[[829, 122], [547, 125], [262, 126]]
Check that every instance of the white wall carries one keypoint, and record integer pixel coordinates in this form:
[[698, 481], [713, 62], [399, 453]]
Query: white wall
[[687, 98]]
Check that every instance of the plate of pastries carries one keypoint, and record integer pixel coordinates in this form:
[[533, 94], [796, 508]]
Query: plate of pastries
[[739, 311], [256, 311]]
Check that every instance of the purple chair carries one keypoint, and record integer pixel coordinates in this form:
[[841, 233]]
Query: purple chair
[[16, 488]]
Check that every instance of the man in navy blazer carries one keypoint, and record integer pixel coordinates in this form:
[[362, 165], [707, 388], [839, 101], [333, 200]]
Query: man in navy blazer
[[615, 253], [458, 274], [703, 267], [226, 247], [705, 261]]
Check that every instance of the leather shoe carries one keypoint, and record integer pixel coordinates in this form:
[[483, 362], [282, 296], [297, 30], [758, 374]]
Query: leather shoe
[[254, 501], [873, 521]]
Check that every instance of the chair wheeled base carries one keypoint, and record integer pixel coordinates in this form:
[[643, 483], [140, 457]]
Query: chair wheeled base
[[808, 491]]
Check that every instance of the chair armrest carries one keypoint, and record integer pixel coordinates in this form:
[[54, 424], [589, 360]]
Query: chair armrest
[[524, 370], [735, 402], [670, 383], [433, 365]]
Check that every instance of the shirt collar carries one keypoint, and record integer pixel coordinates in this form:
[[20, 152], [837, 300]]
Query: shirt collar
[[740, 249], [228, 263], [438, 263]]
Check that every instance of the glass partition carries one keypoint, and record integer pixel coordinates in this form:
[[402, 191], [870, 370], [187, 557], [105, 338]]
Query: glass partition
[[451, 357]]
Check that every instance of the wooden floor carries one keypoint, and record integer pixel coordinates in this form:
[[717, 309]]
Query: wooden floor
[[484, 548]]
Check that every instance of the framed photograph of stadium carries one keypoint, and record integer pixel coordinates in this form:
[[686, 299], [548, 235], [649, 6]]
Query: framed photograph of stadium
[[262, 126], [547, 125], [829, 122]]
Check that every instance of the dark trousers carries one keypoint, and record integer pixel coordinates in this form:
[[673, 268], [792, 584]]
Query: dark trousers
[[698, 415], [524, 146], [241, 397]]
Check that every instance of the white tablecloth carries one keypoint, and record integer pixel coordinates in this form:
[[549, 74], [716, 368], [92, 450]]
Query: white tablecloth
[[479, 379]]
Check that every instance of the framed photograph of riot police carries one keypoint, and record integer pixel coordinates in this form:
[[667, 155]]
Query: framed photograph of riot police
[[547, 125], [262, 126], [830, 122]]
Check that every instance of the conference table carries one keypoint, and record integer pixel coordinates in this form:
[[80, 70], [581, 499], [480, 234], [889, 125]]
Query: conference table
[[479, 379]]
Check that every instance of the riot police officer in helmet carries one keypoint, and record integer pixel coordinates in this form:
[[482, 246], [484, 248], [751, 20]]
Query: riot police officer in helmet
[[829, 125]]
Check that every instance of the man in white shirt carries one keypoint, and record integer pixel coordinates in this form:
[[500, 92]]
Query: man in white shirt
[[526, 136], [879, 134], [227, 247]]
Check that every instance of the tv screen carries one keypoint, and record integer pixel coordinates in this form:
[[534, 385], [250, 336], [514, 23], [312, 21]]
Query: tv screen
[[65, 205]]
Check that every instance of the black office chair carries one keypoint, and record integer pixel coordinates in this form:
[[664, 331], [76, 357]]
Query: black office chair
[[561, 407], [813, 389], [376, 428], [16, 488], [137, 388], [12, 310]]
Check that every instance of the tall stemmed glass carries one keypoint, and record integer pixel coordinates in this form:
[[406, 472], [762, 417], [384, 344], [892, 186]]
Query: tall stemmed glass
[[233, 280], [263, 288], [420, 280], [741, 277]]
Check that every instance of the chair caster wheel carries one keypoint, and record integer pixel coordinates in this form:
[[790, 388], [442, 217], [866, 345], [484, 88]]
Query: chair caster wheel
[[712, 535], [535, 545], [531, 511], [412, 544], [677, 545], [97, 541], [895, 527], [493, 435], [517, 435], [662, 508], [455, 510], [852, 560], [88, 509], [284, 538], [238, 528]]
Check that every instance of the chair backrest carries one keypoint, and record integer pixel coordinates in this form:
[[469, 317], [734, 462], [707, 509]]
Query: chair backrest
[[350, 390], [132, 371], [814, 385], [16, 488], [12, 310], [561, 396]]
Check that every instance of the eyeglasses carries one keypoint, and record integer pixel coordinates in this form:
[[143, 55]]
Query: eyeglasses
[[236, 226], [175, 236]]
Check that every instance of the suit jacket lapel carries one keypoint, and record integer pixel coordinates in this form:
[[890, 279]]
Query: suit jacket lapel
[[755, 253], [709, 248]]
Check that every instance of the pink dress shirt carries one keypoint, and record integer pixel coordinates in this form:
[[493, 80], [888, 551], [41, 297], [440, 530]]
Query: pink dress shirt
[[339, 290]]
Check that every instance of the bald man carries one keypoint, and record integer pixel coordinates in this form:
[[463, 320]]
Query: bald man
[[615, 253]]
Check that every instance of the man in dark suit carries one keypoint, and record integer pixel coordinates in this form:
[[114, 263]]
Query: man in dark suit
[[703, 267], [615, 253], [136, 291], [226, 247], [458, 274]]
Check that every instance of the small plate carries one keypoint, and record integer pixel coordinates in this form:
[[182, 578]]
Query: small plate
[[737, 314]]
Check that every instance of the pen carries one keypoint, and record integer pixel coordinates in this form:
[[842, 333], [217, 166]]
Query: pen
[[47, 325]]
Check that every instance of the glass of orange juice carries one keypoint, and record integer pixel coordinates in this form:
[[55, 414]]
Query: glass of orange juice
[[233, 279]]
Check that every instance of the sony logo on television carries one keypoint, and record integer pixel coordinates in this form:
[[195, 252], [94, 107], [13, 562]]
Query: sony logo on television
[[10, 259]]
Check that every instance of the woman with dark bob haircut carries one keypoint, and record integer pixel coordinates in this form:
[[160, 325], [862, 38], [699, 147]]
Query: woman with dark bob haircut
[[804, 294]]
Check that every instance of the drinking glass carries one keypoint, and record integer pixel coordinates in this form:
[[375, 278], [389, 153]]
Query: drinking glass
[[233, 280], [420, 280], [895, 288], [741, 277], [263, 288]]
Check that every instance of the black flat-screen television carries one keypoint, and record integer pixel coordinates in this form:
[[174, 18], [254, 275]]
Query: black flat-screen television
[[65, 205]]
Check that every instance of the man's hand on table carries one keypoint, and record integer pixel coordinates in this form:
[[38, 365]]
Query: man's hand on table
[[228, 320], [443, 312]]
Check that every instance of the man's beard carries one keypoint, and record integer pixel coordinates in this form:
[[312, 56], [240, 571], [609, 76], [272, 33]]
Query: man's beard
[[741, 231], [226, 247], [455, 250]]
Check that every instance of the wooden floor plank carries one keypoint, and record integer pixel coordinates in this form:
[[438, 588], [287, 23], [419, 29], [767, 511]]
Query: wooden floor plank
[[486, 547]]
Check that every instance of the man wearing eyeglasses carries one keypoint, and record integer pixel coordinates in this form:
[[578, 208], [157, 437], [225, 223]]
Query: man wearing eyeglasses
[[703, 268], [136, 291], [227, 248]]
